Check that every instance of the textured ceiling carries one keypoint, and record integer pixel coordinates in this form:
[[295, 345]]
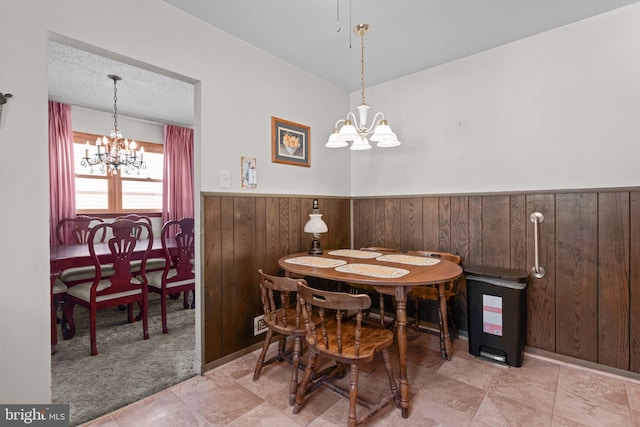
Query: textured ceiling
[[80, 78], [405, 36]]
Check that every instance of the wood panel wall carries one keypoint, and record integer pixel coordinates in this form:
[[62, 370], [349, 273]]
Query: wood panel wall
[[586, 306], [244, 233]]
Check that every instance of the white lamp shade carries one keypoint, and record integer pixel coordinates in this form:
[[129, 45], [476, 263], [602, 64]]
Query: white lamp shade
[[387, 142], [348, 132], [361, 143], [334, 141], [315, 224], [382, 132]]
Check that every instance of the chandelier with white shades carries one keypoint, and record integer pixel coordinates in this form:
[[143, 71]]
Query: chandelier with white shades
[[354, 131], [115, 153]]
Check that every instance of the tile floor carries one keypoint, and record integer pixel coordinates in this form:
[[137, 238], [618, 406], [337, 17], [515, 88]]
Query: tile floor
[[462, 392]]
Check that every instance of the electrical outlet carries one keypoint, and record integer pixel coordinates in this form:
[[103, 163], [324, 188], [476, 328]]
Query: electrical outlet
[[258, 325]]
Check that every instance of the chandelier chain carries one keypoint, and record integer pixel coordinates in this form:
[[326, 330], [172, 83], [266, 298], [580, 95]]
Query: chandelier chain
[[362, 64], [115, 105]]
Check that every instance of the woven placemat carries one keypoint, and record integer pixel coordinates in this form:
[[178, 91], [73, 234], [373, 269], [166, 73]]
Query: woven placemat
[[409, 259], [355, 253], [311, 261], [380, 271]]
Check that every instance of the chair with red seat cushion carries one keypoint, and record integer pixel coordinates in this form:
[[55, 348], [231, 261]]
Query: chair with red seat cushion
[[178, 275], [120, 288]]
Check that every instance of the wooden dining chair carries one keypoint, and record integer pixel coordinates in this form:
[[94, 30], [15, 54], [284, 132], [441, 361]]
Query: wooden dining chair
[[76, 230], [425, 293], [283, 318], [178, 275], [120, 288], [333, 335], [58, 292], [370, 290], [152, 263]]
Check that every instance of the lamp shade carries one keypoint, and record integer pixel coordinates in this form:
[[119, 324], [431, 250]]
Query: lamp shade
[[315, 225], [383, 130], [348, 132], [360, 143], [334, 141]]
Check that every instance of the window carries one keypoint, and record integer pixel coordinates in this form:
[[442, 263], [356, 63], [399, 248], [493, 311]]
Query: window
[[99, 192]]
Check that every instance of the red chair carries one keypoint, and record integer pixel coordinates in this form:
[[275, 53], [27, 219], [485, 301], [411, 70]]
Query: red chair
[[122, 287], [178, 274], [73, 231], [152, 263], [76, 230], [58, 291]]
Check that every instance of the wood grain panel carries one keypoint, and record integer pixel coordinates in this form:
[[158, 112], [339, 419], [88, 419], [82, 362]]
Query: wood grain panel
[[295, 227], [444, 224], [541, 293], [227, 260], [613, 281], [261, 237], [430, 223], [576, 275], [342, 237], [475, 231], [460, 227], [634, 282], [283, 213], [245, 290], [518, 232], [411, 224], [366, 223], [272, 238], [392, 224], [460, 246], [212, 279], [496, 243]]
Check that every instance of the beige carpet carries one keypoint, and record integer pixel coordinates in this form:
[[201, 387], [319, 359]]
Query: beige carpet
[[127, 368]]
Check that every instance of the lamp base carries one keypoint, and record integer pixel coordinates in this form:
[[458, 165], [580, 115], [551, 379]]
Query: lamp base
[[315, 248]]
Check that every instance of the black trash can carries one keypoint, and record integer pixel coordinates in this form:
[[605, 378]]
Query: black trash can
[[497, 307]]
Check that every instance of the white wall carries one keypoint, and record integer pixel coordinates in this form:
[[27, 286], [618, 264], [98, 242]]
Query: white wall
[[560, 110], [238, 89]]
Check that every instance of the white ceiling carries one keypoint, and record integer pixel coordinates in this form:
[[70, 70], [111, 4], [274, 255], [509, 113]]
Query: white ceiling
[[405, 36]]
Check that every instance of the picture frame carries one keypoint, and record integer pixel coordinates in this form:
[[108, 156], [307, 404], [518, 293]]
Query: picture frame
[[249, 173], [290, 143]]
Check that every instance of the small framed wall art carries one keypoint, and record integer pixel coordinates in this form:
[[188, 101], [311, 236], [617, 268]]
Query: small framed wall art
[[289, 142], [249, 173]]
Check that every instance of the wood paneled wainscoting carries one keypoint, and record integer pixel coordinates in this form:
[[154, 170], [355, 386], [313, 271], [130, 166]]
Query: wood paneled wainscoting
[[242, 233], [586, 307]]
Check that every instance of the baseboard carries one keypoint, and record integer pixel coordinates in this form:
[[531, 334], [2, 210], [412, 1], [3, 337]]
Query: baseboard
[[230, 357]]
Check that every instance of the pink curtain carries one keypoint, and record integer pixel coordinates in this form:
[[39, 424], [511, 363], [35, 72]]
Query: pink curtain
[[62, 184], [177, 194]]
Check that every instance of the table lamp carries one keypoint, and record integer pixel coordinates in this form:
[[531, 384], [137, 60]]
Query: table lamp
[[315, 226]]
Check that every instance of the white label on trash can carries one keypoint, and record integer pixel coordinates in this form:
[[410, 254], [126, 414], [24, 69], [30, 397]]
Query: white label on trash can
[[492, 315]]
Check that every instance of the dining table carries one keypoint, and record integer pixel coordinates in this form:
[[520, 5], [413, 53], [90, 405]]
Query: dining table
[[390, 274]]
